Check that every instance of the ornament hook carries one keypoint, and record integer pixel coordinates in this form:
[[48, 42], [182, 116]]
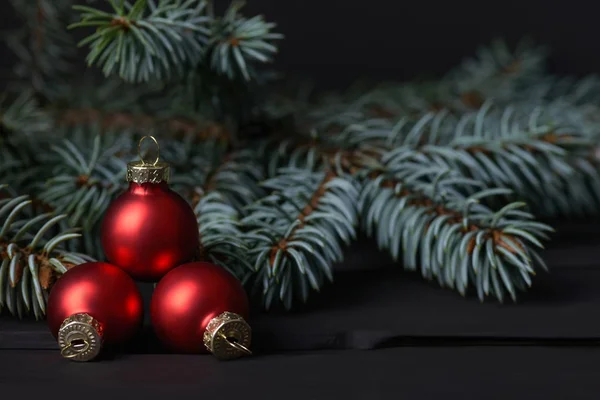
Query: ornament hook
[[157, 150], [234, 343], [77, 350]]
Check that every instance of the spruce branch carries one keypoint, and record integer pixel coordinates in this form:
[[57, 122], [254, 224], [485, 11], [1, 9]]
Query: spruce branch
[[32, 255], [43, 46], [114, 105], [220, 235], [22, 127], [191, 162], [219, 182], [421, 212], [85, 178], [146, 41], [495, 74], [549, 166], [238, 42], [296, 233], [87, 174], [236, 178], [313, 150], [565, 111], [499, 74], [214, 166], [175, 126], [22, 115]]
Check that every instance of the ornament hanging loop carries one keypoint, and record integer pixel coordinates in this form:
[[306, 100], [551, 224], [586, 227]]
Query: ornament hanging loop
[[236, 345], [76, 350], [143, 171], [80, 337], [144, 162]]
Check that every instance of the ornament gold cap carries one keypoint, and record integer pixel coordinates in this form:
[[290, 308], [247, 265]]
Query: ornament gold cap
[[143, 171], [228, 336], [80, 337]]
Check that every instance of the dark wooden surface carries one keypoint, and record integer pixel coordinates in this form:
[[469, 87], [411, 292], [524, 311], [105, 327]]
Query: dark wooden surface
[[365, 310], [401, 373], [377, 332]]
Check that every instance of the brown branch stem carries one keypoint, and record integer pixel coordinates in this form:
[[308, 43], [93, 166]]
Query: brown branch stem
[[311, 205], [46, 275], [177, 126], [500, 238]]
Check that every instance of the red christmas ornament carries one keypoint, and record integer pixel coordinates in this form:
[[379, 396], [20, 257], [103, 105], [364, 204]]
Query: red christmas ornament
[[149, 229], [200, 307], [92, 304]]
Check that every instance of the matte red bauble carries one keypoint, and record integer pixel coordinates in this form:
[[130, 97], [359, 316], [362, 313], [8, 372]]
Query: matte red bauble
[[200, 307], [149, 229], [92, 304]]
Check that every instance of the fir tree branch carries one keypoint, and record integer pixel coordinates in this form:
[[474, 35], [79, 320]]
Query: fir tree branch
[[146, 41], [220, 236], [495, 74], [219, 182], [498, 75], [87, 174], [174, 126], [228, 185], [85, 179], [296, 234], [421, 211], [549, 166], [22, 115], [22, 128], [43, 46], [237, 42], [116, 106], [344, 161], [564, 89], [214, 166], [236, 178], [31, 256], [173, 37]]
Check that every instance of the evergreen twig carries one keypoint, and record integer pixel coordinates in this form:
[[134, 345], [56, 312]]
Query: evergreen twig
[[32, 255], [421, 212], [87, 174], [43, 46], [296, 233], [146, 40]]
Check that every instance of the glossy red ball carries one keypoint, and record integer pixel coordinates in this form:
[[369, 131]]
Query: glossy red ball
[[149, 230], [188, 298], [101, 290]]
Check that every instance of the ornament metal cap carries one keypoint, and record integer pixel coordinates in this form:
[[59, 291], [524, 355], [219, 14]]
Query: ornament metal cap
[[80, 337], [228, 336], [148, 172]]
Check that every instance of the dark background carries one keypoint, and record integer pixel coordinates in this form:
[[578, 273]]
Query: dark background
[[336, 41]]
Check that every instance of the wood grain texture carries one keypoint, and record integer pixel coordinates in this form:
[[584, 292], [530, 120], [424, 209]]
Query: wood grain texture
[[369, 309], [407, 373]]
